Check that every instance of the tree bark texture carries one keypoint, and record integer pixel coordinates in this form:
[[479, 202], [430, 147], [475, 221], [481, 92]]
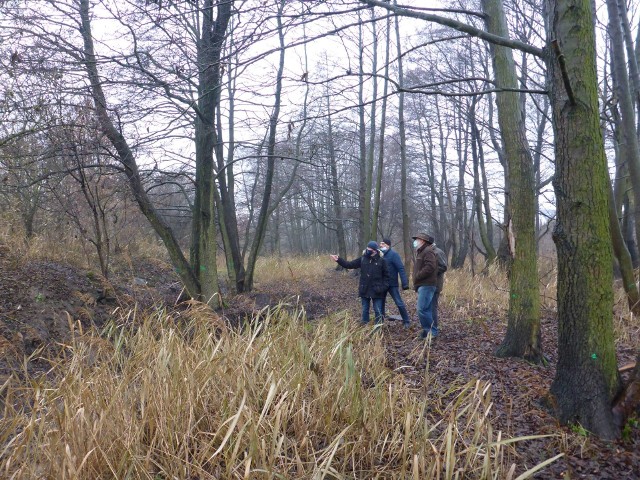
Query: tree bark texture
[[523, 337], [587, 379], [204, 229]]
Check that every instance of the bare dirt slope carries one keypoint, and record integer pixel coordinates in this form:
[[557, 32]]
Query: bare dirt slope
[[39, 300]]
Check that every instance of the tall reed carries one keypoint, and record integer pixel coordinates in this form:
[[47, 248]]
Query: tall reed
[[189, 398]]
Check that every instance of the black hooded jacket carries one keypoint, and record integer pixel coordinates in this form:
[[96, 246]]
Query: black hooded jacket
[[374, 275]]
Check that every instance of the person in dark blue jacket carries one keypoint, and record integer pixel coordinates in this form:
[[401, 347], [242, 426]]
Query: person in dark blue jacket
[[396, 268], [374, 279]]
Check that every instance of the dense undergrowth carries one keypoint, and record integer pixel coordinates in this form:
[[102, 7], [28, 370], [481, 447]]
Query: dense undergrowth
[[181, 394], [283, 398]]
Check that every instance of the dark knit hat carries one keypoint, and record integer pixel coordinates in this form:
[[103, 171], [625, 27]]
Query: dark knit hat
[[423, 236], [387, 240], [373, 245]]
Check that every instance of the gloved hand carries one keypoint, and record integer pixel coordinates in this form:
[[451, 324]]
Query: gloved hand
[[405, 287]]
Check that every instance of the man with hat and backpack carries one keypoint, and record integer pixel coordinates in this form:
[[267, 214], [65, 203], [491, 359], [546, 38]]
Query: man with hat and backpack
[[425, 278]]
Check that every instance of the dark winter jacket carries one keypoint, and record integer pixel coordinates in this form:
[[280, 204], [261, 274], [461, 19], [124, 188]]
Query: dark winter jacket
[[442, 263], [425, 270], [374, 275], [394, 262]]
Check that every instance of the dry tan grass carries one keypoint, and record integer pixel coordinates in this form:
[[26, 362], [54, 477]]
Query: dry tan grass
[[292, 268], [626, 324], [283, 399], [62, 244], [487, 294], [488, 291], [41, 247]]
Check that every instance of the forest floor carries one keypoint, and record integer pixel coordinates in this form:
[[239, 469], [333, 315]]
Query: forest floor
[[40, 299]]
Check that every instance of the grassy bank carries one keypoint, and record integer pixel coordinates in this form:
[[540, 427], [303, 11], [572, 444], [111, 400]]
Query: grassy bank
[[187, 398]]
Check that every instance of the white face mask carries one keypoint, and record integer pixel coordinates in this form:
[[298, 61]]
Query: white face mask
[[384, 249], [417, 243]]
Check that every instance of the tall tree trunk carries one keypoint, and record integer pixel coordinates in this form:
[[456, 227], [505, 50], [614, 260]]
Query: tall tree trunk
[[620, 249], [537, 155], [460, 233], [503, 253], [444, 193], [587, 379], [226, 185], [625, 103], [203, 240], [406, 241], [476, 154], [271, 146], [624, 258], [523, 338], [429, 158], [372, 134], [634, 74], [486, 199], [125, 155], [628, 230], [335, 187], [383, 123], [364, 222]]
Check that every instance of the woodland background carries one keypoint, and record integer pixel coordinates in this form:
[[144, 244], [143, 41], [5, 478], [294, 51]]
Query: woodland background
[[217, 150]]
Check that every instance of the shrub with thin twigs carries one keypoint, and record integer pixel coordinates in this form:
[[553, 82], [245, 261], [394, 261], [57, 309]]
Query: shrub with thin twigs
[[282, 399]]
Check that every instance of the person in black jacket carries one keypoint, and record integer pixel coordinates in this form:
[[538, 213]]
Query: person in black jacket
[[394, 262], [374, 279]]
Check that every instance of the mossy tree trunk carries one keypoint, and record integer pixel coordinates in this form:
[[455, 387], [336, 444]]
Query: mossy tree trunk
[[523, 337], [587, 379], [204, 229]]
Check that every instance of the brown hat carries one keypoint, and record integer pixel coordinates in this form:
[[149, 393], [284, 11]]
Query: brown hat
[[424, 236]]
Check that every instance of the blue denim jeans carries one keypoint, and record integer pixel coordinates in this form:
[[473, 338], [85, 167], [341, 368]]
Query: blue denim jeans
[[397, 298], [434, 309], [425, 313], [377, 309]]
